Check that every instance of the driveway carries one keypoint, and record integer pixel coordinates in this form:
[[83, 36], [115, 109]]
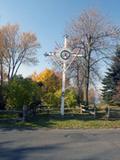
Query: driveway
[[55, 144]]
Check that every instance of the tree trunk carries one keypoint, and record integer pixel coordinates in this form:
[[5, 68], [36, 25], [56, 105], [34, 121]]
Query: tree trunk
[[87, 79], [78, 87], [1, 85]]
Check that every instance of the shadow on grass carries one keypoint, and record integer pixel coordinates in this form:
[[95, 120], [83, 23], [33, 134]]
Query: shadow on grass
[[8, 126], [49, 121], [31, 124], [43, 120]]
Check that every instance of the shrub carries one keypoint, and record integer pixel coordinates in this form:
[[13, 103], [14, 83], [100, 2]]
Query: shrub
[[20, 91]]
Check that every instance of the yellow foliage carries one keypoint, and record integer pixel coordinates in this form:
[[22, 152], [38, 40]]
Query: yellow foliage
[[49, 79], [43, 76], [51, 84]]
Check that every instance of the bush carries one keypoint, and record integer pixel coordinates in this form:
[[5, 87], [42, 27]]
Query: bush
[[70, 98], [20, 91]]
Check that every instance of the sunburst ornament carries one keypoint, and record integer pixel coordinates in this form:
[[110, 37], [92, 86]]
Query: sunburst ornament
[[65, 54]]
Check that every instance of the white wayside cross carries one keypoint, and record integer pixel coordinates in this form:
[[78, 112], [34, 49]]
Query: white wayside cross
[[64, 59]]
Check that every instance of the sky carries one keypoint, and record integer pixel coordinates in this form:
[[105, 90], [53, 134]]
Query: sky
[[48, 20]]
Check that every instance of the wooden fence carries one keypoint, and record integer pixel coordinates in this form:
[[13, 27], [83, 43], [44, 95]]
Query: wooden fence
[[11, 112], [113, 112]]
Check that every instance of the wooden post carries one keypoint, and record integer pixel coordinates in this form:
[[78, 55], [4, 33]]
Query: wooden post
[[107, 111], [94, 111], [24, 113]]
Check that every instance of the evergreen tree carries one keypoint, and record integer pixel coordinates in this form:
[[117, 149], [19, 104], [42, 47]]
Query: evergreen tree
[[111, 79], [116, 97]]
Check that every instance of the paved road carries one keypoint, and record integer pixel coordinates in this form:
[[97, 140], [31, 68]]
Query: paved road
[[47, 144]]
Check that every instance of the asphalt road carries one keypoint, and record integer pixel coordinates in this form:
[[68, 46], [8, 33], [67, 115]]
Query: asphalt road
[[54, 144]]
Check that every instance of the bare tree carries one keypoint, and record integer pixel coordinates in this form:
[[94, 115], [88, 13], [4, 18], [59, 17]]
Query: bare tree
[[17, 48], [76, 73], [96, 40], [1, 60], [2, 72]]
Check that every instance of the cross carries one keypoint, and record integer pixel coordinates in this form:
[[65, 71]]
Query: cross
[[64, 56]]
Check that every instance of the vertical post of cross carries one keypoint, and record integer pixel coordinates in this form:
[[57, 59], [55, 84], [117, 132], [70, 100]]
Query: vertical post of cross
[[63, 79], [63, 89]]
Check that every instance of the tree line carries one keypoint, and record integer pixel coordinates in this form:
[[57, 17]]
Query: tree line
[[90, 35], [96, 39]]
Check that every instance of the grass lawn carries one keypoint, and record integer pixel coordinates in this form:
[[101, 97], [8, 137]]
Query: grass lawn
[[55, 121]]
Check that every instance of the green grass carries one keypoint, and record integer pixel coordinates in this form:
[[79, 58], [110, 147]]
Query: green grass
[[87, 124], [9, 116], [55, 121]]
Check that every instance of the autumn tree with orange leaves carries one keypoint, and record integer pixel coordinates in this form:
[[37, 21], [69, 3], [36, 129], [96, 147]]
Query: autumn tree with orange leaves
[[17, 48], [50, 82]]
